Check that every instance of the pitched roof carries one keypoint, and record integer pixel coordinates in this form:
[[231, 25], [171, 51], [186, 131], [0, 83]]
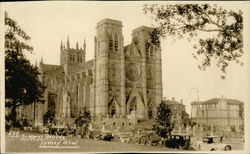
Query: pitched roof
[[216, 100]]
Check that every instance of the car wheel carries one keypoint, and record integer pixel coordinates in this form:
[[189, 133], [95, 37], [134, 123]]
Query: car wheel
[[180, 147], [148, 143], [212, 149], [228, 148], [187, 145]]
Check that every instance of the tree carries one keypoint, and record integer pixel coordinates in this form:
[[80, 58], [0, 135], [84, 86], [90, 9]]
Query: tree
[[48, 117], [223, 29], [82, 121], [22, 85], [164, 124]]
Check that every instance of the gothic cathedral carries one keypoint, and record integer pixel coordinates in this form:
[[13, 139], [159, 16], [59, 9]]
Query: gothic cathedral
[[120, 82]]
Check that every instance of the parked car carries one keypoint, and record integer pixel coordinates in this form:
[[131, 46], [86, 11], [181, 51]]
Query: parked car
[[108, 137], [143, 139], [212, 143], [136, 139], [154, 139], [125, 138], [43, 129], [181, 141], [98, 137]]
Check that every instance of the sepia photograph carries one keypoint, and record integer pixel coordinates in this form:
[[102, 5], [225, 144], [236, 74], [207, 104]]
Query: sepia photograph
[[125, 76]]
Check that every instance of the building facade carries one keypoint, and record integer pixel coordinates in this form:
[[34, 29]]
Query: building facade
[[121, 81], [220, 112]]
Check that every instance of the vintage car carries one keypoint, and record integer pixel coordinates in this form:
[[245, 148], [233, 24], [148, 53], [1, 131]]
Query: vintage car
[[125, 139], [43, 129], [154, 139], [180, 141], [212, 143]]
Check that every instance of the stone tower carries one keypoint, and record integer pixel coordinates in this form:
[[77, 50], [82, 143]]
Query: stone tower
[[109, 69], [143, 74], [72, 55]]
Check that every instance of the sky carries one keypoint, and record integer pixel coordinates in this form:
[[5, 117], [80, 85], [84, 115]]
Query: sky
[[49, 23]]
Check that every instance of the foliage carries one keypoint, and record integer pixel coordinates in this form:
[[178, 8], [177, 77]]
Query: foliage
[[83, 120], [48, 117], [164, 124], [84, 117], [224, 43], [22, 85]]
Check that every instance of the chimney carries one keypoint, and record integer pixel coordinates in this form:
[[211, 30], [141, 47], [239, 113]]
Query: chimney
[[181, 101], [173, 98]]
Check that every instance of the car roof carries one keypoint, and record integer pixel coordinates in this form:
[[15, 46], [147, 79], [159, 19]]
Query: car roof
[[213, 136]]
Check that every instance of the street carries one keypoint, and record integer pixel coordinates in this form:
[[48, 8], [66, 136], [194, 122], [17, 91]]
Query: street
[[36, 142], [15, 144]]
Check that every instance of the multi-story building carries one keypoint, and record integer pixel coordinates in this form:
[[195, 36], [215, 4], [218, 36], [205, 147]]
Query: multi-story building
[[219, 112], [121, 81]]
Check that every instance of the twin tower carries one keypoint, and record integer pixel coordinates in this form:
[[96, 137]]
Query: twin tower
[[127, 80]]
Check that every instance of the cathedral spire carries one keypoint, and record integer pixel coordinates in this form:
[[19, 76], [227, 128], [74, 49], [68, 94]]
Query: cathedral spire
[[77, 47], [68, 46], [84, 45], [61, 45], [41, 62]]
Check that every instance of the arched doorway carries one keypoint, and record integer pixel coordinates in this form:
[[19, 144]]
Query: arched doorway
[[112, 110], [133, 105]]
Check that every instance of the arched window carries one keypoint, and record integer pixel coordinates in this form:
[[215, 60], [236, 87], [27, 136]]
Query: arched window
[[147, 49], [151, 51], [116, 43], [70, 58], [78, 57], [110, 43]]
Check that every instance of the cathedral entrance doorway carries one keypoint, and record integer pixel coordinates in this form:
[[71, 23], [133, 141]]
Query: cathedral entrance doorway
[[112, 110], [133, 105]]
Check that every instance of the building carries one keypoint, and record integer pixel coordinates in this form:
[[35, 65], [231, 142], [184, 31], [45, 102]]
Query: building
[[219, 112], [120, 82]]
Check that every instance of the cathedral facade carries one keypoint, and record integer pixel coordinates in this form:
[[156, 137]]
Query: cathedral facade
[[121, 81]]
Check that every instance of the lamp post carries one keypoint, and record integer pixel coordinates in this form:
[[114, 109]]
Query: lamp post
[[197, 93]]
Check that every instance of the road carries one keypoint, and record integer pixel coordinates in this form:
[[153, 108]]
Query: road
[[32, 143]]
